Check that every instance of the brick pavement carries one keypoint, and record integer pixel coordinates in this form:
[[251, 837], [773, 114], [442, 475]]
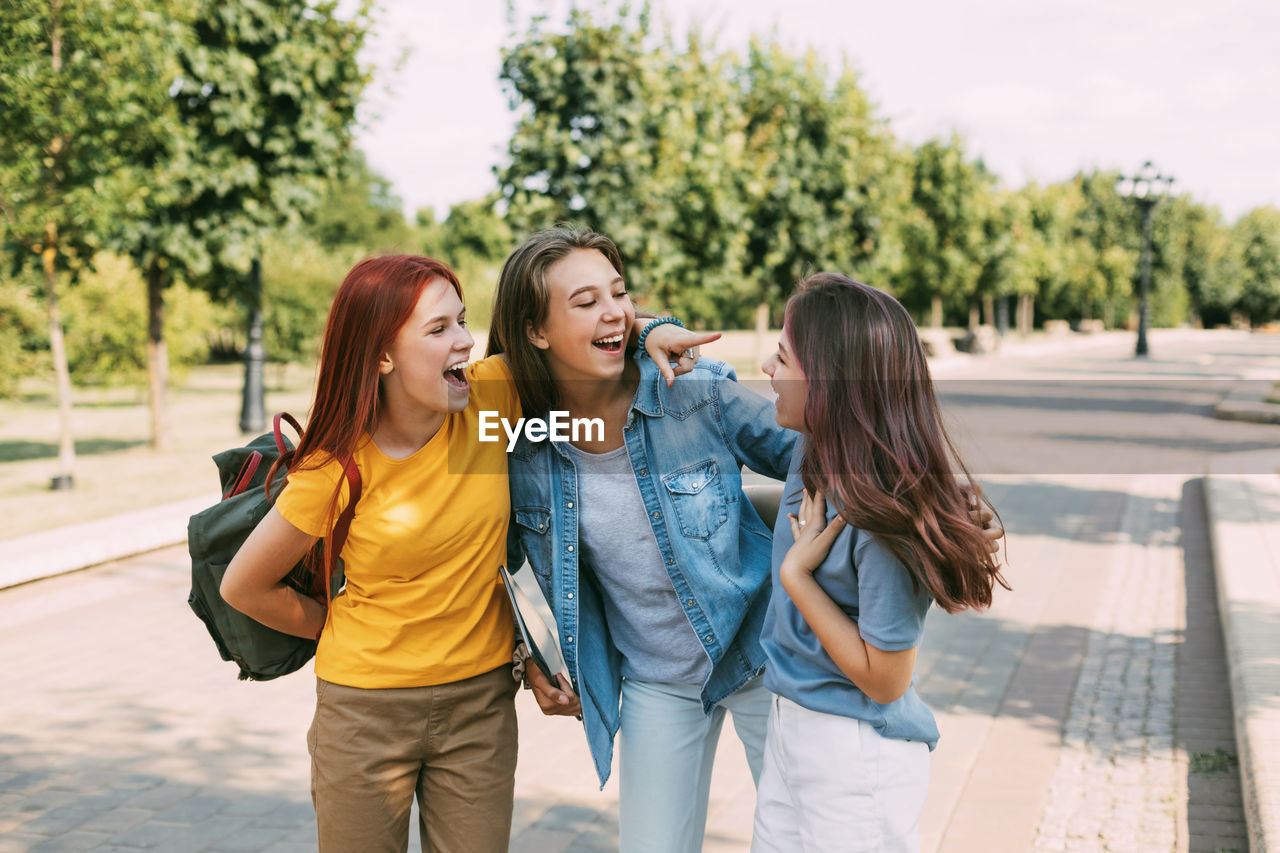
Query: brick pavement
[[122, 730]]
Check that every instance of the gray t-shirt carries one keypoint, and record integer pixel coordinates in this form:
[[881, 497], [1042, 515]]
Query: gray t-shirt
[[645, 618]]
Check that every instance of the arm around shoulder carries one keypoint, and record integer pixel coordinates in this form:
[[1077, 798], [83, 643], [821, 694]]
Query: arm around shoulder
[[253, 583]]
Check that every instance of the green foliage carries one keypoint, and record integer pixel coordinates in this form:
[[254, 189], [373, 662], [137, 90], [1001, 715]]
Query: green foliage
[[1108, 248], [1210, 268], [473, 231], [80, 95], [359, 208], [23, 338], [1218, 761], [1257, 240], [299, 279], [725, 177], [721, 179], [106, 324], [267, 92], [944, 225], [824, 180]]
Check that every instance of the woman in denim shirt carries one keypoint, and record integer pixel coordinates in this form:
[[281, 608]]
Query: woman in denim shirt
[[654, 562]]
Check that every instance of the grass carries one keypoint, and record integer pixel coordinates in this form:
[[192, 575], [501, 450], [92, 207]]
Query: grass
[[116, 470], [1218, 761]]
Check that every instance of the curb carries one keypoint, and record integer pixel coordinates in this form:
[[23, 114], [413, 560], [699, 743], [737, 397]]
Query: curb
[[1242, 495], [79, 546], [1247, 402]]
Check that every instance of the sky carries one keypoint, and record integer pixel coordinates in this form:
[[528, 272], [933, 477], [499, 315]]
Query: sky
[[1039, 89]]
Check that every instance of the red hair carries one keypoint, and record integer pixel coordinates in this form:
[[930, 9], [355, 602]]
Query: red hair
[[876, 443], [376, 298]]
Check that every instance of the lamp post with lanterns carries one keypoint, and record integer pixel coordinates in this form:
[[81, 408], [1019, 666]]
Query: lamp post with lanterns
[[1146, 188]]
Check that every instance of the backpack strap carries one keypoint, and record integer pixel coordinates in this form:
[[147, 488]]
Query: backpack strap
[[334, 541], [338, 537], [242, 479], [275, 429]]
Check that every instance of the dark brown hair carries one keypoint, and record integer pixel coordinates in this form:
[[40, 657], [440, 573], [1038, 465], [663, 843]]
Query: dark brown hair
[[876, 444], [521, 303]]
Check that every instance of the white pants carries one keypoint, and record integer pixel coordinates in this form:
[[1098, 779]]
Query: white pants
[[667, 746], [834, 784]]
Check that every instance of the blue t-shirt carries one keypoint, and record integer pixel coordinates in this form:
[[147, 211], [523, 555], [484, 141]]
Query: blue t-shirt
[[875, 590]]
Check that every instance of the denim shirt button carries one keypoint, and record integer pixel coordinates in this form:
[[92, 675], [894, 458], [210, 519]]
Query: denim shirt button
[[689, 601], [644, 472], [570, 547], [569, 505], [570, 595], [657, 515], [671, 561], [568, 639], [709, 638]]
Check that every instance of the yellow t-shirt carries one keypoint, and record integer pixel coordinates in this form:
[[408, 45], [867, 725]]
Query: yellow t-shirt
[[423, 604]]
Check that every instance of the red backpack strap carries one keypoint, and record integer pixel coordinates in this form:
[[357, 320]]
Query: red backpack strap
[[334, 542], [275, 429], [247, 471]]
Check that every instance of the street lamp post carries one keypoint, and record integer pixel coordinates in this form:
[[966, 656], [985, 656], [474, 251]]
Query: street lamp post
[[1146, 189], [253, 414]]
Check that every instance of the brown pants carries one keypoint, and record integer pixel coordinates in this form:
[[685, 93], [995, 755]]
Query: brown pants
[[454, 744]]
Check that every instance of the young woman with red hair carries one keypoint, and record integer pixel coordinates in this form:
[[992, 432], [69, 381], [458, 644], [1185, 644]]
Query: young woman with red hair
[[414, 687], [875, 527]]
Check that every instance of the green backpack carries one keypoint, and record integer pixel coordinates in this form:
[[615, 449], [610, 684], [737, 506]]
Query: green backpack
[[215, 534]]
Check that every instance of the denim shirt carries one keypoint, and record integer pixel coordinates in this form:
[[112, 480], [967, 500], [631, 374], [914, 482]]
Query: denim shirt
[[687, 445]]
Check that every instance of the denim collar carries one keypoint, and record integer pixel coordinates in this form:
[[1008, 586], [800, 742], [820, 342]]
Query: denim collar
[[647, 400]]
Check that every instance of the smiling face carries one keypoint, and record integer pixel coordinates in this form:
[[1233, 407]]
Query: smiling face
[[423, 368], [789, 383], [589, 315]]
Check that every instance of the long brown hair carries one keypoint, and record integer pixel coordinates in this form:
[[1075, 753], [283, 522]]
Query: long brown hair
[[376, 298], [876, 443], [521, 303]]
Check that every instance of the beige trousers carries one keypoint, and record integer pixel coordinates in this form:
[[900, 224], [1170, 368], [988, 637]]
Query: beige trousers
[[454, 745]]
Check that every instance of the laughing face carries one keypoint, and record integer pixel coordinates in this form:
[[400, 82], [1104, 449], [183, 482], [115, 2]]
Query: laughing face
[[588, 318], [425, 366], [789, 383]]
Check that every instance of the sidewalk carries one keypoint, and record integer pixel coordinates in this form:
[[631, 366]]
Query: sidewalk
[[1243, 493]]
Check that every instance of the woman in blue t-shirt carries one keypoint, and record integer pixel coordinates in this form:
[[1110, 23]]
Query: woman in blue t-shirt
[[847, 753]]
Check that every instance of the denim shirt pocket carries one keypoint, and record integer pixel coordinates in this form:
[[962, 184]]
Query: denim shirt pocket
[[535, 520], [699, 498]]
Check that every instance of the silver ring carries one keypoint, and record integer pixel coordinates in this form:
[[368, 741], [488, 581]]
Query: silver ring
[[802, 524]]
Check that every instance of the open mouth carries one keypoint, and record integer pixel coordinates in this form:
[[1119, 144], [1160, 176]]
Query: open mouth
[[456, 376], [609, 344]]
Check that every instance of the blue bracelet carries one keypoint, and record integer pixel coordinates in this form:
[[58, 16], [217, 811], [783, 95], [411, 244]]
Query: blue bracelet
[[657, 321]]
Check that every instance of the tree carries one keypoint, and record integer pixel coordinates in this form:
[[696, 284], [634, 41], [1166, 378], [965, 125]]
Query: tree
[[1105, 224], [593, 143], [269, 92], [77, 99], [358, 208], [1257, 239], [942, 233], [722, 179], [823, 173]]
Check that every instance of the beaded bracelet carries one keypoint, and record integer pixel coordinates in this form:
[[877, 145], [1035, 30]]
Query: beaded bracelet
[[657, 321]]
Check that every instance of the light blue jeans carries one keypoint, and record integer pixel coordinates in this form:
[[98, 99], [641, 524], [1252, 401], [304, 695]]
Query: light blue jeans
[[667, 748]]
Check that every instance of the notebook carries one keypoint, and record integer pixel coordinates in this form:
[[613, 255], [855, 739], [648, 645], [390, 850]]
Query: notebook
[[535, 621]]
